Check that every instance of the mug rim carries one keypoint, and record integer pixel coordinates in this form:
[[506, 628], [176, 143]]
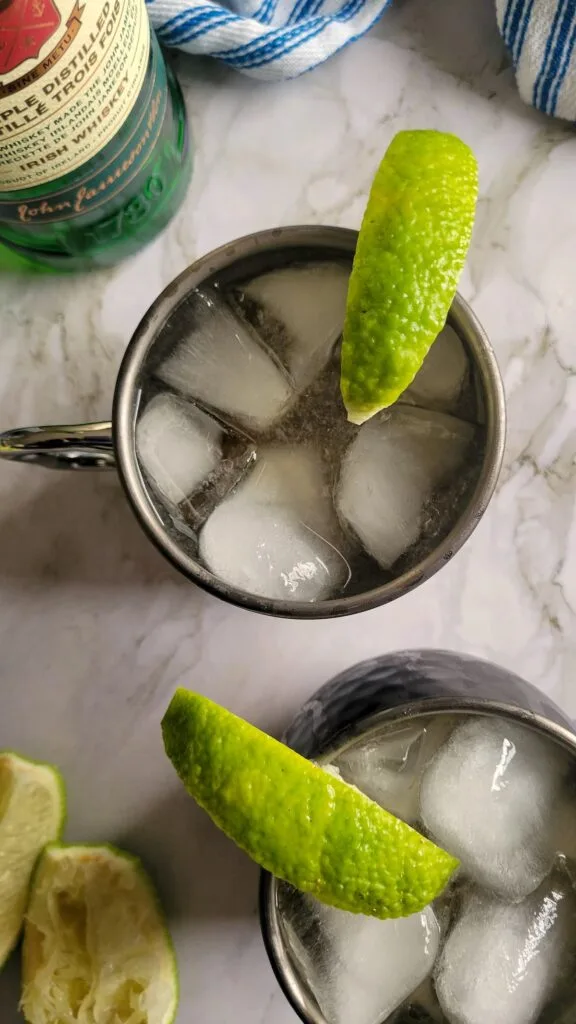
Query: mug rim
[[123, 418], [269, 917]]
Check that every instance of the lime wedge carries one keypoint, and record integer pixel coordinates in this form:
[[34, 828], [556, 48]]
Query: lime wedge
[[96, 947], [32, 813], [296, 820], [411, 249]]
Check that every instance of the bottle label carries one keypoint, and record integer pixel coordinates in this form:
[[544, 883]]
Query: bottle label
[[70, 74]]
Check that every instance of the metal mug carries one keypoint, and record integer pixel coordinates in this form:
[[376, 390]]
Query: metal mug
[[396, 687], [110, 445]]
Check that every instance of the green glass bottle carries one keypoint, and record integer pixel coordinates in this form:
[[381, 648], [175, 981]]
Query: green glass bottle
[[94, 150]]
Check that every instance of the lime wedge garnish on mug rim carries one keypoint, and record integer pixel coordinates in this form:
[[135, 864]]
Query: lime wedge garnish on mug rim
[[410, 253], [296, 820]]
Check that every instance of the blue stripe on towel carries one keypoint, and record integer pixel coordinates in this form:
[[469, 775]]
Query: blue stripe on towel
[[548, 53], [557, 85], [519, 46], [558, 54]]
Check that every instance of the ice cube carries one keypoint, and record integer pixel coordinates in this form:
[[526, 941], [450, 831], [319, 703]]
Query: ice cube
[[440, 381], [488, 797], [501, 960], [390, 472], [310, 302], [222, 364], [238, 459], [278, 536], [178, 446], [265, 549], [294, 476], [359, 969], [389, 765]]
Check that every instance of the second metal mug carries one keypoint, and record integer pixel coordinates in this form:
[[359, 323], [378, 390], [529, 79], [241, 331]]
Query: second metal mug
[[403, 687]]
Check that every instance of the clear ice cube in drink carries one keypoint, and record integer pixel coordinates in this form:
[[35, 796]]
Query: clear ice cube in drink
[[265, 549], [399, 459], [276, 536], [359, 969], [294, 476], [222, 363], [489, 798], [389, 770], [441, 382], [303, 309], [501, 960], [178, 446]]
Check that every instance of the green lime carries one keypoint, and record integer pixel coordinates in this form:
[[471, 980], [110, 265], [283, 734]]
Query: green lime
[[296, 820], [32, 813], [411, 249], [96, 946]]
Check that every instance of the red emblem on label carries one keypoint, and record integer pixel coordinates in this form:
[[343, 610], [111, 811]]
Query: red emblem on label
[[25, 25]]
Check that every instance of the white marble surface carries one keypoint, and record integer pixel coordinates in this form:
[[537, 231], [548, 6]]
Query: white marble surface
[[96, 630]]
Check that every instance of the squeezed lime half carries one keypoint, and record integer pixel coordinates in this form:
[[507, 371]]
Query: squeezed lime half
[[96, 946], [32, 813]]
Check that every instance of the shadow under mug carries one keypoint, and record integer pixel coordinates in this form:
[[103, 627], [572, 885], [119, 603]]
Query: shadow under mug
[[111, 445]]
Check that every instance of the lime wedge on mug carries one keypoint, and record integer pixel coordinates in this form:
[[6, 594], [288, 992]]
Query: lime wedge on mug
[[410, 253], [296, 820]]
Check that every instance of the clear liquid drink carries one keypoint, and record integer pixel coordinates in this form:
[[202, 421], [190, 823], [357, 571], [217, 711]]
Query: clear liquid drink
[[500, 944], [252, 466]]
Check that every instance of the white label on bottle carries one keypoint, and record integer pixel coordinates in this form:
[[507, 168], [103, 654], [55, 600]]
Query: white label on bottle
[[70, 74]]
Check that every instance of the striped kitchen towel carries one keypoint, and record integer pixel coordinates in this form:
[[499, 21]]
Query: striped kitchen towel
[[268, 39], [541, 38], [275, 39]]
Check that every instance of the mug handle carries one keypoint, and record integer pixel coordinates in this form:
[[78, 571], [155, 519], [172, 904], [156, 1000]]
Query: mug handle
[[75, 446]]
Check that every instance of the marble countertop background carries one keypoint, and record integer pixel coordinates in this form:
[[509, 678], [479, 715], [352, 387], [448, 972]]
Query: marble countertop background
[[96, 630]]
